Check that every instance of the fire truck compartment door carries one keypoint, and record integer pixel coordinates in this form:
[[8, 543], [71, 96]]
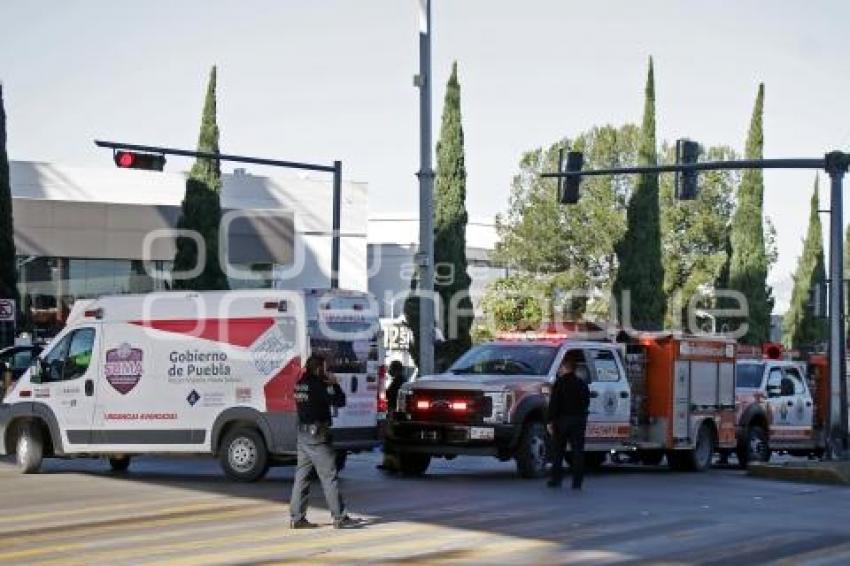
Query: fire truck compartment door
[[681, 400]]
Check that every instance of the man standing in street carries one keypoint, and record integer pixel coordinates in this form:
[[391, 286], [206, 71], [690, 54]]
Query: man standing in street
[[315, 393], [567, 419]]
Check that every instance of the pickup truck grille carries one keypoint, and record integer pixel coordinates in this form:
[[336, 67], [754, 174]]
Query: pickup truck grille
[[447, 406]]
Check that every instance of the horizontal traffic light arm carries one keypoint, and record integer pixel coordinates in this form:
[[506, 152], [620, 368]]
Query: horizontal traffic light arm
[[704, 166], [218, 156]]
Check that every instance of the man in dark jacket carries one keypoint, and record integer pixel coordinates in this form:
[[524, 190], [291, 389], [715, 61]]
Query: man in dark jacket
[[315, 393], [567, 419]]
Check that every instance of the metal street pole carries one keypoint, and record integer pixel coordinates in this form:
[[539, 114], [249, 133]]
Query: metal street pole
[[425, 257], [836, 167], [336, 169]]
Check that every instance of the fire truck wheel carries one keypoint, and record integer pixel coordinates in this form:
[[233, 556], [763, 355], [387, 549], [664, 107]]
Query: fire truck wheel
[[532, 455], [756, 448], [243, 454], [119, 463], [412, 464], [29, 449], [703, 453]]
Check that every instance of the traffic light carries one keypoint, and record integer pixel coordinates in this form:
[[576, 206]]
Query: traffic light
[[568, 186], [137, 160], [687, 182]]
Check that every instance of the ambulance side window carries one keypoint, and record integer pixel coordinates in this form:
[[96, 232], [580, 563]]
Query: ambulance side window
[[774, 382], [55, 360], [794, 376], [79, 353]]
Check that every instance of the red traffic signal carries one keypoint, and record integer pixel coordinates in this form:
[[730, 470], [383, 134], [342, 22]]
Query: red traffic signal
[[137, 160]]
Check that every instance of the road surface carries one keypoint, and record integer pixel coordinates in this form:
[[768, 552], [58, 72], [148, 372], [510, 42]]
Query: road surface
[[182, 511]]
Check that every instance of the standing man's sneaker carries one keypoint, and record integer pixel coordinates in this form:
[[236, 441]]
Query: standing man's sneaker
[[302, 524], [347, 523]]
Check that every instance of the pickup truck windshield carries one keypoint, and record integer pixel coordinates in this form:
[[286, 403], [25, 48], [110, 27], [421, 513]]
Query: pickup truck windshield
[[749, 375], [506, 360]]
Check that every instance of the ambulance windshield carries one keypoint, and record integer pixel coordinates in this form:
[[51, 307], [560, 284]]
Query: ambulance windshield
[[347, 346]]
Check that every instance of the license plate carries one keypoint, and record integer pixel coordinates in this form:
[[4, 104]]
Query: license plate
[[481, 433]]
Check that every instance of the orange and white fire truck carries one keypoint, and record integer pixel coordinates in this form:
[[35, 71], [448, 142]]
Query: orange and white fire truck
[[656, 396], [781, 404]]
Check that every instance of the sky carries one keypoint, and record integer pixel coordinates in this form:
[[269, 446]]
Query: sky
[[321, 80]]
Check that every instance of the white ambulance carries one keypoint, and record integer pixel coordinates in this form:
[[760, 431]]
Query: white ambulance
[[190, 372]]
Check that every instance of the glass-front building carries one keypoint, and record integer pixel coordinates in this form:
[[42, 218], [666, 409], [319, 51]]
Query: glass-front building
[[81, 233]]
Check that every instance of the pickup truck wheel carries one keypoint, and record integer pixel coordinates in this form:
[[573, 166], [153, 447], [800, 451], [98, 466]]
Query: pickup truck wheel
[[412, 464], [651, 457], [755, 447], [243, 455], [119, 463], [532, 454], [341, 459], [29, 449]]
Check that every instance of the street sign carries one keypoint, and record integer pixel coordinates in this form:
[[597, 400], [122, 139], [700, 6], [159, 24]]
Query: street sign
[[7, 310]]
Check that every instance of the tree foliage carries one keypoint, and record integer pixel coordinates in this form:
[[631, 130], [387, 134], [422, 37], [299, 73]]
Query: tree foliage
[[8, 270], [749, 264], [801, 328], [555, 249], [201, 208], [695, 234], [452, 280], [641, 270]]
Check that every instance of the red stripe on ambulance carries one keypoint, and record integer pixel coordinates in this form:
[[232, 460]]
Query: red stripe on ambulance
[[235, 331]]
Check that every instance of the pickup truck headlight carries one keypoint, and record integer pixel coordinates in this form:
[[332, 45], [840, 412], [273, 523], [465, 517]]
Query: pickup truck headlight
[[501, 402]]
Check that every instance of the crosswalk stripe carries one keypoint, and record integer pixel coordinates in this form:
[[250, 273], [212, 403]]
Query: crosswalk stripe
[[231, 513], [286, 540], [18, 519]]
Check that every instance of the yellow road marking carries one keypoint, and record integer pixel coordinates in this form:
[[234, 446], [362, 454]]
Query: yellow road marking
[[248, 550], [95, 531], [18, 519]]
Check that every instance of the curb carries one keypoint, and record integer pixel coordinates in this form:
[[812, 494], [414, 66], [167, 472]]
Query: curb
[[830, 473]]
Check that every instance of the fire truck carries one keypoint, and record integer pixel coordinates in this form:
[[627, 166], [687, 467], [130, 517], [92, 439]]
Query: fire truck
[[655, 396], [781, 404]]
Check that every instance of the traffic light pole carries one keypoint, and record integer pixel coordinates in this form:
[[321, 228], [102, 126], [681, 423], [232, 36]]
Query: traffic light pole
[[335, 169], [425, 257], [836, 165]]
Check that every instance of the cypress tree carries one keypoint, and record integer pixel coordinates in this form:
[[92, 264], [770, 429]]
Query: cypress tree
[[450, 218], [8, 270], [749, 265], [801, 329], [201, 209], [640, 268]]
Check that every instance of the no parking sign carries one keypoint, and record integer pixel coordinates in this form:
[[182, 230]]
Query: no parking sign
[[7, 310]]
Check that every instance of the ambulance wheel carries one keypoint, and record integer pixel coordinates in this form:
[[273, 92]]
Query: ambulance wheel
[[243, 455], [412, 464], [532, 454], [119, 463], [756, 447], [29, 449]]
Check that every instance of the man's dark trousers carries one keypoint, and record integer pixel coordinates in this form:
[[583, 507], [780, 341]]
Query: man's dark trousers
[[570, 429], [315, 451]]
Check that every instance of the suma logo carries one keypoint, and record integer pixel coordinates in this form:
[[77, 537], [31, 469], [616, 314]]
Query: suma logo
[[123, 368]]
